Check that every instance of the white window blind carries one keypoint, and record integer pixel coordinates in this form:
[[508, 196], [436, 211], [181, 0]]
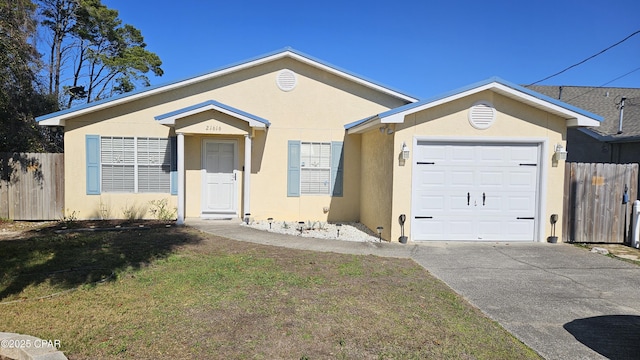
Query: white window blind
[[135, 164], [315, 166], [117, 156], [154, 165]]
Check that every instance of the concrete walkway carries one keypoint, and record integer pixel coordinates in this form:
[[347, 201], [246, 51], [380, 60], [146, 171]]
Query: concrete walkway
[[562, 301]]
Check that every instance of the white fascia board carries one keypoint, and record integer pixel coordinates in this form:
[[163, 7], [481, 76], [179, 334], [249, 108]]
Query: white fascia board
[[57, 121], [573, 118], [393, 119], [398, 117], [364, 127], [171, 121], [582, 121]]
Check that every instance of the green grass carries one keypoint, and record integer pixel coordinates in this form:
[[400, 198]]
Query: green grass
[[176, 293]]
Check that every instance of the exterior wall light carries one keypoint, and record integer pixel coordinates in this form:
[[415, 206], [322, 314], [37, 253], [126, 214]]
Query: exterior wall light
[[270, 220], [560, 153], [405, 151]]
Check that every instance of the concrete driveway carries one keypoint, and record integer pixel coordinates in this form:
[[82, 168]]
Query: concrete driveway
[[562, 301]]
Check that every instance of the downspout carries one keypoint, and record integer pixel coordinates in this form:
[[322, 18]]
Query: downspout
[[621, 115]]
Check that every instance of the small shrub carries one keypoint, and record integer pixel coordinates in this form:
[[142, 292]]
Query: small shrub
[[161, 211], [104, 210], [133, 212], [68, 218]]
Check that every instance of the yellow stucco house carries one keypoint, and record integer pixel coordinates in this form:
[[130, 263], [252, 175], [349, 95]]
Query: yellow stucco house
[[289, 137]]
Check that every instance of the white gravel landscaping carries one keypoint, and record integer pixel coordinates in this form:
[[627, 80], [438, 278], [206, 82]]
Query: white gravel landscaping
[[322, 230]]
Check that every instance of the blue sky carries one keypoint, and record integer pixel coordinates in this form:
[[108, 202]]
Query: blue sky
[[423, 48]]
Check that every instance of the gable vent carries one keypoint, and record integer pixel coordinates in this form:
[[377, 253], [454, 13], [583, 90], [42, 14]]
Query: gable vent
[[482, 115], [286, 80]]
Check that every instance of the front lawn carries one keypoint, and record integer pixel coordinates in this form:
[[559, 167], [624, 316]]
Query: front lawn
[[177, 293]]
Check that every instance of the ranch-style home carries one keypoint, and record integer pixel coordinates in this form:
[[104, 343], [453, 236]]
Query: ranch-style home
[[290, 137]]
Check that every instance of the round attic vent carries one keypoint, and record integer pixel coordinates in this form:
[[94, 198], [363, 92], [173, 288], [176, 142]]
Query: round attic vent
[[286, 80], [482, 115]]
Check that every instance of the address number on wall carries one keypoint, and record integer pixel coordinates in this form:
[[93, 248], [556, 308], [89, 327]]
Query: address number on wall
[[213, 128]]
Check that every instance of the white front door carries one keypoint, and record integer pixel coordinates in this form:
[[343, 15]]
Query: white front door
[[219, 190], [474, 191]]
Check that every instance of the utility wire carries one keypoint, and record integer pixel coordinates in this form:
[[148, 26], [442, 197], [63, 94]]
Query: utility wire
[[587, 59], [603, 85]]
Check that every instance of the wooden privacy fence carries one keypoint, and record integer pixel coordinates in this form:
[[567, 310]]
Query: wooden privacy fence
[[594, 202], [31, 186]]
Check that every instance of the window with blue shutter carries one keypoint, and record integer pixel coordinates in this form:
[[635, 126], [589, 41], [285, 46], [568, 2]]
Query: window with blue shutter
[[130, 165], [315, 168]]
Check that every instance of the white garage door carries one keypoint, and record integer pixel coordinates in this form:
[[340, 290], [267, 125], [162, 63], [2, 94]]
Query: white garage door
[[474, 191]]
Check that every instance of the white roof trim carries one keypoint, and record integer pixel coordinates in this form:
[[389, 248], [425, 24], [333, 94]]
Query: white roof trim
[[171, 120], [59, 119], [573, 119]]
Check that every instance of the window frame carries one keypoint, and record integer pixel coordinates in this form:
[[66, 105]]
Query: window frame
[[310, 169], [163, 166]]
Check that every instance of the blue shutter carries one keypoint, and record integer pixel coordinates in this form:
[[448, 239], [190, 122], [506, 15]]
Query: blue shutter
[[93, 164], [173, 144], [293, 168], [337, 168]]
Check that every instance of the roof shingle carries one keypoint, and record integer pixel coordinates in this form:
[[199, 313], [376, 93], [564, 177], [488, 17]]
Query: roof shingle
[[603, 101]]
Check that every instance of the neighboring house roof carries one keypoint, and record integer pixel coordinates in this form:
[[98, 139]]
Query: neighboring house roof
[[252, 120], [58, 118], [574, 116], [603, 101]]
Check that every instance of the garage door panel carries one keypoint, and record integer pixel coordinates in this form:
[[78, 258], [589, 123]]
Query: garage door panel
[[493, 202], [428, 229], [522, 178], [428, 203], [490, 229], [433, 178], [462, 178], [491, 178], [519, 229], [490, 154], [462, 154], [524, 154], [455, 184], [507, 201], [521, 204], [430, 153], [458, 203]]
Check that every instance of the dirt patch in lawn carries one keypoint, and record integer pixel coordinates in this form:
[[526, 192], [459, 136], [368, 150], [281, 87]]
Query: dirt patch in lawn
[[10, 230], [619, 250]]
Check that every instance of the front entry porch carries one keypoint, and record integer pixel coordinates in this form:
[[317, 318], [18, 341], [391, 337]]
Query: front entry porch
[[208, 137]]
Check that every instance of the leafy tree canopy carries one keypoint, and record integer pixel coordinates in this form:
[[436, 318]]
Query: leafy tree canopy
[[108, 57], [87, 54]]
